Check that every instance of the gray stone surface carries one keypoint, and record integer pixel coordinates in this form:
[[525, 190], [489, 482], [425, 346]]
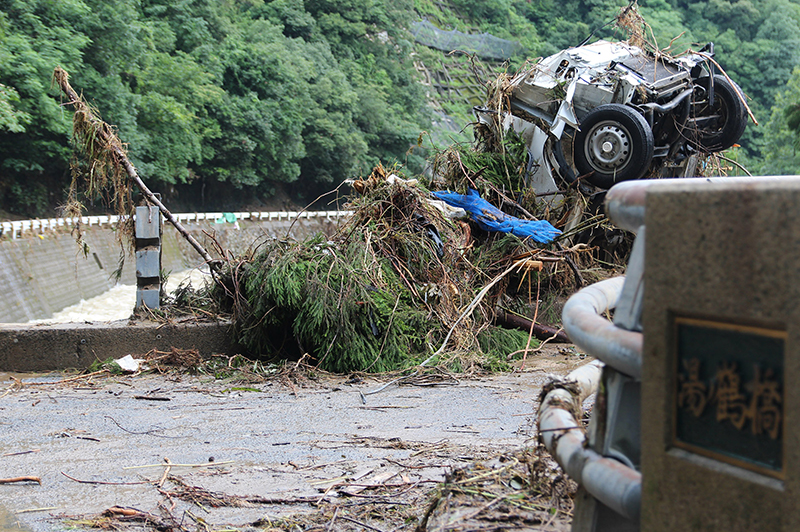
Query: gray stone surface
[[148, 297], [77, 345], [266, 440], [147, 263], [148, 222], [727, 251], [39, 276]]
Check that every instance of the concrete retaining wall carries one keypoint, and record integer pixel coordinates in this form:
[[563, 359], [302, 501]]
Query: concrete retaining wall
[[43, 271], [26, 348]]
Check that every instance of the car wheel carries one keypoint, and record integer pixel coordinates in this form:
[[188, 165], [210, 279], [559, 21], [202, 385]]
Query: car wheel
[[718, 127], [615, 143]]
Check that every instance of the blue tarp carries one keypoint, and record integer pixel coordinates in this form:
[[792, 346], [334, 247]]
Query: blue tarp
[[490, 218]]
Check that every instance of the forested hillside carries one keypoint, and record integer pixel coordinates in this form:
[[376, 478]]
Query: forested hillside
[[224, 95], [224, 101]]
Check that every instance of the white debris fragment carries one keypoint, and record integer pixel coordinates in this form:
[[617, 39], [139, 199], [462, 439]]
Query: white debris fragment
[[448, 210], [128, 364]]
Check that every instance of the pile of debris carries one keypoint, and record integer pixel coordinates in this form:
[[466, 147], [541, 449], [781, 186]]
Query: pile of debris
[[601, 113], [406, 277], [404, 281]]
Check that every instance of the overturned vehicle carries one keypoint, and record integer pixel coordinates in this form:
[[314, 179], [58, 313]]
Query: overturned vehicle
[[609, 112]]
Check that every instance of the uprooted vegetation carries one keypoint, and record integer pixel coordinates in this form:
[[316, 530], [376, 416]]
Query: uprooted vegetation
[[399, 281], [400, 284], [520, 490]]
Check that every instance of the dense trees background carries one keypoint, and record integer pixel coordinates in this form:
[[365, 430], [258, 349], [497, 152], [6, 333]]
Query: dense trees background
[[224, 101], [212, 96]]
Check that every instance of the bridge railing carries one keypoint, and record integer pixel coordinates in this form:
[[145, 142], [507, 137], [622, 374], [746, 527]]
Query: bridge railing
[[16, 229]]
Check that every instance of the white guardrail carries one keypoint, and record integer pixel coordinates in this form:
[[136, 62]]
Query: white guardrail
[[15, 229]]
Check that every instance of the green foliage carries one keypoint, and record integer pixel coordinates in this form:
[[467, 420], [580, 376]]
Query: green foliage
[[503, 169], [490, 11], [498, 343], [339, 304], [10, 119], [35, 36], [254, 93], [379, 294], [108, 364], [783, 130], [243, 93], [667, 26]]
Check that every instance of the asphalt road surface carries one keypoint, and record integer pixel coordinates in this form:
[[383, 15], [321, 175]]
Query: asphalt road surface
[[106, 442]]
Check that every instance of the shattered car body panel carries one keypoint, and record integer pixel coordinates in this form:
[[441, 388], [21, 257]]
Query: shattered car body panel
[[625, 114], [583, 76]]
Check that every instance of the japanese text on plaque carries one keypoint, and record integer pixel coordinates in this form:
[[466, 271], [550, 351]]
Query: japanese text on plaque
[[756, 404]]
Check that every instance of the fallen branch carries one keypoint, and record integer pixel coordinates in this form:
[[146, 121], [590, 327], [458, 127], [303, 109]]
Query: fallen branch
[[22, 452], [105, 134], [32, 510], [151, 398], [106, 483], [167, 470], [359, 523], [132, 514], [62, 381], [541, 332], [739, 166], [467, 311], [580, 282], [20, 479], [207, 464]]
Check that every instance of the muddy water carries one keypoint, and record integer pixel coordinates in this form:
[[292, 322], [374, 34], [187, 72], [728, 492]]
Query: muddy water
[[117, 303], [9, 522]]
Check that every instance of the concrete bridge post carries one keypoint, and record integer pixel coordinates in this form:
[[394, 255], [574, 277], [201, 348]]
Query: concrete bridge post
[[148, 257]]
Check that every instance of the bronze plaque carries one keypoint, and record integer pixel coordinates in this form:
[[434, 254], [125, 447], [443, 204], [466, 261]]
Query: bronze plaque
[[729, 396]]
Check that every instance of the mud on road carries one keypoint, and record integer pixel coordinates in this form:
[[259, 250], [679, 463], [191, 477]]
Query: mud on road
[[179, 452]]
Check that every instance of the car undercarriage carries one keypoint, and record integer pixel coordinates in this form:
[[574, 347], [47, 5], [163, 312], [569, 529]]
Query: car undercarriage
[[608, 112]]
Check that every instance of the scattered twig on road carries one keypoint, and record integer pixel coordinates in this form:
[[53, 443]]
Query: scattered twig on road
[[20, 479], [152, 398], [207, 464], [151, 432], [22, 452], [106, 483], [167, 469], [62, 381], [359, 523], [31, 510]]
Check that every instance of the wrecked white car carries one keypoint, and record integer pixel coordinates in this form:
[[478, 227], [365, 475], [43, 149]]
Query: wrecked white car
[[609, 112]]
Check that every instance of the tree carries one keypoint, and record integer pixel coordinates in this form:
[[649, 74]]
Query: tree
[[36, 36], [11, 119], [782, 131]]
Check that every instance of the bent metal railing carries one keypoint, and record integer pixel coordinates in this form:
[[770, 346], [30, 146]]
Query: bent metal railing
[[615, 484], [16, 229]]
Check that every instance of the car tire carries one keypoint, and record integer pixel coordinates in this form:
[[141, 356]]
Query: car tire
[[723, 132], [614, 143]]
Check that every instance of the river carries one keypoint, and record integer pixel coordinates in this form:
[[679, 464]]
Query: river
[[118, 303]]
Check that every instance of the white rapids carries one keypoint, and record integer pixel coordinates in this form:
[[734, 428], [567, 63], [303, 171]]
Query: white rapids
[[118, 303]]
